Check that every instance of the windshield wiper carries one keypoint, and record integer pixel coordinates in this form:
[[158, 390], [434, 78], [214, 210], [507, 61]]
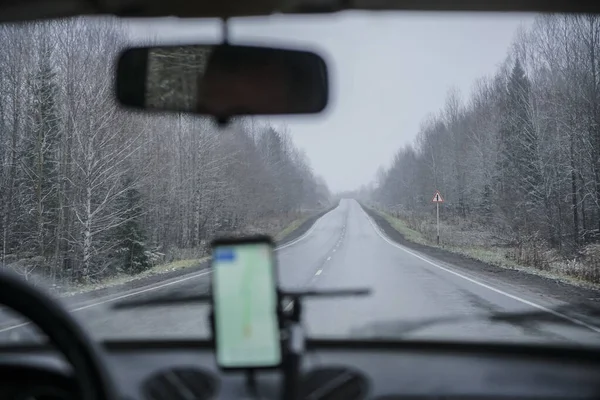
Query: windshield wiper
[[557, 315], [160, 301], [292, 295]]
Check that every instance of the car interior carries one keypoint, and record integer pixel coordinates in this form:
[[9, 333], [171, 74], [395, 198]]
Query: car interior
[[72, 365]]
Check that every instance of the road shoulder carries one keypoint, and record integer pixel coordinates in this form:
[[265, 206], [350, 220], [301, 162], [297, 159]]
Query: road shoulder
[[552, 290], [145, 281]]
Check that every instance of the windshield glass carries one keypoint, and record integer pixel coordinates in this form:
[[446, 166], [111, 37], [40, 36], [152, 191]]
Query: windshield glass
[[455, 173]]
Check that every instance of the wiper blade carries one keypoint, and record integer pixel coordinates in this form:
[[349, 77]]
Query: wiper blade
[[295, 294], [550, 313], [558, 315], [162, 301], [206, 298]]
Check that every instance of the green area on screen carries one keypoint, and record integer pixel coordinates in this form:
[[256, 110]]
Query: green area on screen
[[245, 306]]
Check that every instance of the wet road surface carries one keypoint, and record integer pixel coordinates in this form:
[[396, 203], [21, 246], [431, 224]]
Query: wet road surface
[[413, 296]]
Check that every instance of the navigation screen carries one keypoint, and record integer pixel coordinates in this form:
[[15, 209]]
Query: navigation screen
[[245, 306]]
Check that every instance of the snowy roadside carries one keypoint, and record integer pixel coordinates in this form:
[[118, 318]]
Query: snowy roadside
[[182, 267], [169, 269], [488, 253], [491, 267]]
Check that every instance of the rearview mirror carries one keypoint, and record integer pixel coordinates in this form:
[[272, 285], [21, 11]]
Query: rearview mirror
[[222, 80]]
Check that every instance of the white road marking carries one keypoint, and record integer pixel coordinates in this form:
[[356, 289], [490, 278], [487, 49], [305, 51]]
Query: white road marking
[[124, 296], [13, 327], [328, 258], [185, 278], [319, 272], [512, 296], [312, 228], [334, 250]]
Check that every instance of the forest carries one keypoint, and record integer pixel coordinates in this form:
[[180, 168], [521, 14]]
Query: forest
[[89, 190], [518, 159]]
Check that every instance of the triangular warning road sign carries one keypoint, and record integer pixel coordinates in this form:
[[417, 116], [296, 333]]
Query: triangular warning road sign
[[437, 197]]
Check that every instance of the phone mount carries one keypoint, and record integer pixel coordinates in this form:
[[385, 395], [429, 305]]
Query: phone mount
[[293, 339], [290, 322]]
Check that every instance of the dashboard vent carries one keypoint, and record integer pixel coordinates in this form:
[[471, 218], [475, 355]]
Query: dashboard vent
[[334, 384], [180, 384]]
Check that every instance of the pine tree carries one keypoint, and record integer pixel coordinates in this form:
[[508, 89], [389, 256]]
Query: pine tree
[[520, 175], [486, 203], [132, 250], [525, 146]]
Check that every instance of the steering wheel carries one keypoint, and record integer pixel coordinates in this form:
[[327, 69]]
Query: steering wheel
[[64, 333]]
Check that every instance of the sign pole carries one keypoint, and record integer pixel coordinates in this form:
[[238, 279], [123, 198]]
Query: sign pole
[[437, 212], [437, 199]]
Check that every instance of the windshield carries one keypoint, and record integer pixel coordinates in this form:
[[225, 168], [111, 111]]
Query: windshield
[[455, 173]]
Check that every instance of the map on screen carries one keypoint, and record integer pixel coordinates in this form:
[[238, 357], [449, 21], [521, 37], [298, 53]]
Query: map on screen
[[245, 300]]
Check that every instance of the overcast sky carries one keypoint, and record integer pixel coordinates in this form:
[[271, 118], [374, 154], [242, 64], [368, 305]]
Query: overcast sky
[[388, 72]]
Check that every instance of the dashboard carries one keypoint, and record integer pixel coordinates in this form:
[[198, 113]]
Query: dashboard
[[157, 370]]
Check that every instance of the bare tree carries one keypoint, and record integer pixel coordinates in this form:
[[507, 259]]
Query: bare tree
[[523, 151]]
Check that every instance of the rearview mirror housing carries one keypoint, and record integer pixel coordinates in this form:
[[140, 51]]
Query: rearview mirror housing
[[223, 80]]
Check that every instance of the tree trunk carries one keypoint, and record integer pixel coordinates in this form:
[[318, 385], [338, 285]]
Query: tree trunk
[[574, 204]]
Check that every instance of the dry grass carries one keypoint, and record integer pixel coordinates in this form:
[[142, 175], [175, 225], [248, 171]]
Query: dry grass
[[122, 279], [184, 263], [401, 226], [187, 258], [295, 224], [475, 242]]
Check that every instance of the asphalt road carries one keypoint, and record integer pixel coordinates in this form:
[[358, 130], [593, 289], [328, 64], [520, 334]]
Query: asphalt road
[[413, 296]]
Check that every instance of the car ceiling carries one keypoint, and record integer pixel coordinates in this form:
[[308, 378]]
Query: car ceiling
[[17, 10]]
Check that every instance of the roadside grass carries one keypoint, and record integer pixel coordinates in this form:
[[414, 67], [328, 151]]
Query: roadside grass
[[401, 226], [295, 224], [174, 266], [121, 279], [558, 269], [167, 267], [125, 278]]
